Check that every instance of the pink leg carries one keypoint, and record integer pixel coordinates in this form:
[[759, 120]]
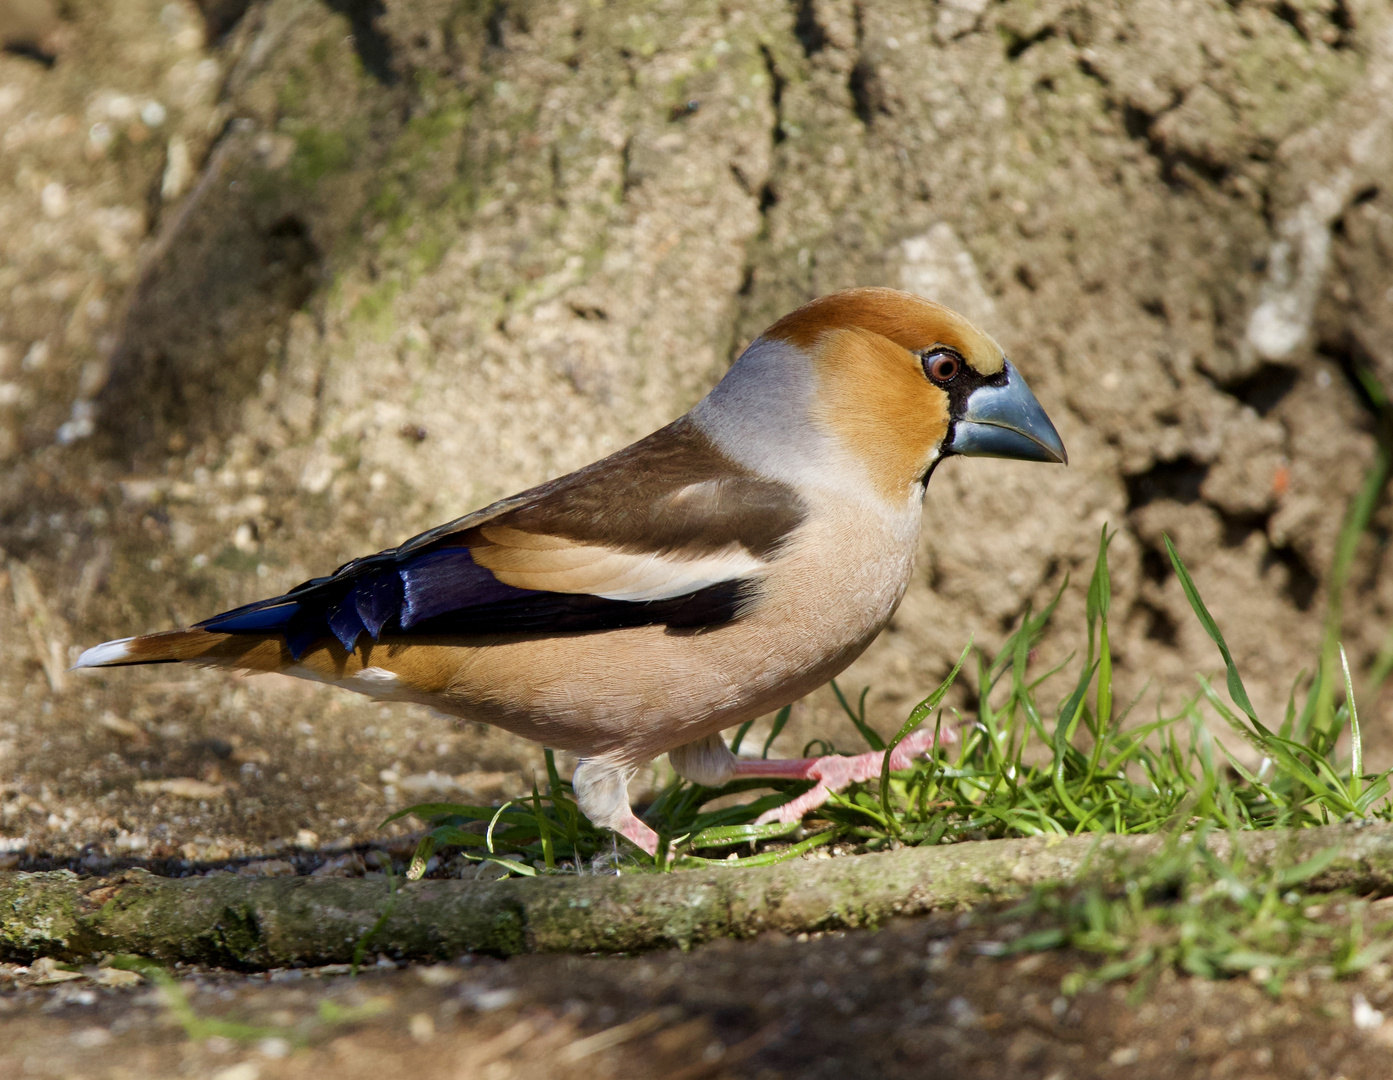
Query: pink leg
[[638, 832], [834, 772]]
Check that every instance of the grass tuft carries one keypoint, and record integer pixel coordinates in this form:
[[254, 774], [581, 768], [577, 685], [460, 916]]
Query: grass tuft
[[1193, 913]]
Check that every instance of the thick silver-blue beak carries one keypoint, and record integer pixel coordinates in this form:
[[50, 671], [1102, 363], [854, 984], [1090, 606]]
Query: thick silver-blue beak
[[1006, 422]]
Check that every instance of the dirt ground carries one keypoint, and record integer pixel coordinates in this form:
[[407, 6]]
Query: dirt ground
[[917, 999], [286, 281]]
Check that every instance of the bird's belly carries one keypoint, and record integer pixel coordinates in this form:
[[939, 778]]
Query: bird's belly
[[641, 691]]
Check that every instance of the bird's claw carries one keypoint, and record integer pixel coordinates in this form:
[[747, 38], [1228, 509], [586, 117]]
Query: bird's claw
[[836, 771]]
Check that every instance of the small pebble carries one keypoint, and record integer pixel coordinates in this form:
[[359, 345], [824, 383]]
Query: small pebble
[[90, 1038], [273, 1047], [243, 1070], [484, 1000], [268, 868], [439, 975], [1365, 1016], [116, 977], [45, 972], [350, 865], [422, 1027]]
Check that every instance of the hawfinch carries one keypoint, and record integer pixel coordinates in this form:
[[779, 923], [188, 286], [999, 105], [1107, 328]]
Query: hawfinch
[[712, 572]]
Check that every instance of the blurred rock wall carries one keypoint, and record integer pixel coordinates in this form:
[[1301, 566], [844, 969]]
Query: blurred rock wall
[[288, 281]]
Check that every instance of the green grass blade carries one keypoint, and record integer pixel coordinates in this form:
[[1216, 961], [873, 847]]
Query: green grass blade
[[1057, 773], [1374, 793], [493, 822], [1237, 693], [1072, 709], [454, 837], [1356, 777], [360, 947], [768, 858], [548, 849], [1354, 526], [780, 719], [512, 866], [858, 716], [424, 850], [1309, 868], [728, 835], [1383, 665], [1284, 754], [917, 715], [1104, 689], [1099, 597]]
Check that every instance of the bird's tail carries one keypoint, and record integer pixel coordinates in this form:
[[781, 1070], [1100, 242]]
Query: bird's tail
[[252, 652]]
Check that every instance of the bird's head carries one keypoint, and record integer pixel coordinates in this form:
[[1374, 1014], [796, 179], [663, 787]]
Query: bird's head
[[897, 381]]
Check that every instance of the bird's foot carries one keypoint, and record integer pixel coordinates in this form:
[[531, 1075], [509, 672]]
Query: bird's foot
[[833, 773], [601, 787]]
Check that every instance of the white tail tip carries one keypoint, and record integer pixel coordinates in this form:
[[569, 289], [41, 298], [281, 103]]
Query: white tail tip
[[108, 652]]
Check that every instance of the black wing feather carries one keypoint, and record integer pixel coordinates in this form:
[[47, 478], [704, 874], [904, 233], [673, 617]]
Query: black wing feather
[[444, 591]]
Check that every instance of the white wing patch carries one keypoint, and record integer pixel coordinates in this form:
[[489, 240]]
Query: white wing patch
[[550, 563], [380, 677], [374, 681]]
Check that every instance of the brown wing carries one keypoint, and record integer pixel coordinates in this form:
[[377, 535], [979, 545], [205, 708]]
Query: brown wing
[[665, 531]]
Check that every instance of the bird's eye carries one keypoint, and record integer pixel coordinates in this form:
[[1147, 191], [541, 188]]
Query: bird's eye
[[942, 366]]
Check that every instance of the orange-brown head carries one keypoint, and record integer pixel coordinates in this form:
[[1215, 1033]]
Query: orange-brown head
[[896, 382]]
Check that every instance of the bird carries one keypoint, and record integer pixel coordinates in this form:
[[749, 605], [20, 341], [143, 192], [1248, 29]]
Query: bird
[[710, 573]]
